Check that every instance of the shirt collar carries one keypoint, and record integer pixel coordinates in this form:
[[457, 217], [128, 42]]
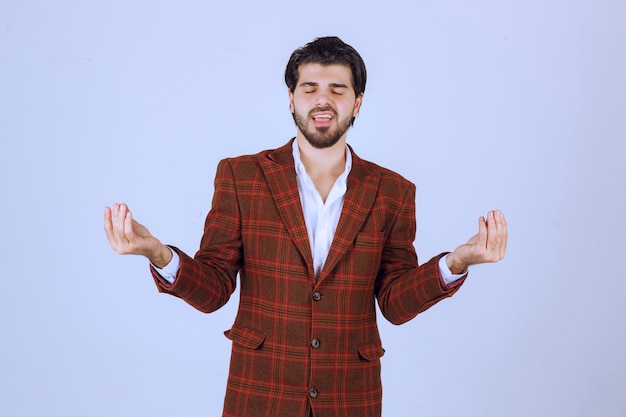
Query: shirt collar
[[300, 166]]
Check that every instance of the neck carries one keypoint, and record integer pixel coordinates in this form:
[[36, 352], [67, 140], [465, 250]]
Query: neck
[[326, 161]]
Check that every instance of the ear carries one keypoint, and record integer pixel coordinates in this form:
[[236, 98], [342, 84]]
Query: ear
[[292, 108], [357, 105]]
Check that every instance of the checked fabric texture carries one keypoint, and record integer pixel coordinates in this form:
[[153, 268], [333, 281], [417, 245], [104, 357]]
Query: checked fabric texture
[[301, 344]]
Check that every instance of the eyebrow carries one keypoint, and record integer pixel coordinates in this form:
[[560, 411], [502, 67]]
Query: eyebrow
[[314, 84]]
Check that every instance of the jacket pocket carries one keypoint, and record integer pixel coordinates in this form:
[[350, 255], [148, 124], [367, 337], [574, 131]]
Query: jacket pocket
[[366, 254], [245, 337], [371, 352], [370, 240]]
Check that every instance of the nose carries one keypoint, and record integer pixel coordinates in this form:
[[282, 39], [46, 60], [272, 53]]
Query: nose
[[321, 99]]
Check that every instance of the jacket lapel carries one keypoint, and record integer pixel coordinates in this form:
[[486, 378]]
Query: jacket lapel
[[280, 172], [360, 195]]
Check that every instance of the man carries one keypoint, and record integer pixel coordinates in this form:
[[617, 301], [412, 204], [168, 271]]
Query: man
[[317, 236]]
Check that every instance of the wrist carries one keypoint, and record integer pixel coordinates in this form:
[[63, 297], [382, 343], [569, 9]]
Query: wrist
[[162, 257], [454, 265]]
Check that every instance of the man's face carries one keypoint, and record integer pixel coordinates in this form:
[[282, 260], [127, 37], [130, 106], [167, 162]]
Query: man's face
[[323, 103]]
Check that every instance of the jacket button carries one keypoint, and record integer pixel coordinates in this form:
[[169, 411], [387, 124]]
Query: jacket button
[[317, 296], [315, 343], [312, 393]]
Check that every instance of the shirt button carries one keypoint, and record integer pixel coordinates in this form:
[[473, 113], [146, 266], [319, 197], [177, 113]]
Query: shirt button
[[317, 296], [312, 393], [315, 343]]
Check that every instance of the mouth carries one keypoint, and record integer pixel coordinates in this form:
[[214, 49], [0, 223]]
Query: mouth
[[322, 118]]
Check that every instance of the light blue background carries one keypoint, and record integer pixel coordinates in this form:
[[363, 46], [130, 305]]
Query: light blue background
[[517, 105]]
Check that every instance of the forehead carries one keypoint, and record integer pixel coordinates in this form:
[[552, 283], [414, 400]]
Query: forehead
[[318, 73]]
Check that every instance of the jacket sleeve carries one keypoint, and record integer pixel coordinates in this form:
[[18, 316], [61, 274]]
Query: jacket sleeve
[[207, 281], [403, 288]]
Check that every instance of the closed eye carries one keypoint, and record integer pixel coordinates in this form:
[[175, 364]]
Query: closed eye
[[338, 88], [309, 87]]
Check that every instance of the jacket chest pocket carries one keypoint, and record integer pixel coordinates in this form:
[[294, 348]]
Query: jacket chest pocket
[[367, 251]]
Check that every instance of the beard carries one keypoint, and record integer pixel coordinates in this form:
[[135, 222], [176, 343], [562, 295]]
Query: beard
[[322, 137]]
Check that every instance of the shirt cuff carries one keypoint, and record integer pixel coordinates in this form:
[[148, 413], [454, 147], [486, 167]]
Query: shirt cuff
[[447, 276], [169, 271]]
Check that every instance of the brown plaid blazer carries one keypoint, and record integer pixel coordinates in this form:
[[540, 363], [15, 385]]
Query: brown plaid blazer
[[301, 344]]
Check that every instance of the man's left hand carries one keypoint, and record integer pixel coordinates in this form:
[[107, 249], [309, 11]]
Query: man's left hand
[[488, 245]]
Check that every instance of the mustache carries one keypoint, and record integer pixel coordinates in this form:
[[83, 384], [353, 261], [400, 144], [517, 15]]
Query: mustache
[[324, 108]]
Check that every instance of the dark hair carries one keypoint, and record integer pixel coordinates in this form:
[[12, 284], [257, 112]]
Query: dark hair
[[328, 50]]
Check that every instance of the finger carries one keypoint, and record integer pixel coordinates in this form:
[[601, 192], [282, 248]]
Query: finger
[[497, 232], [118, 223], [108, 226], [115, 215], [494, 240], [107, 218], [128, 225], [482, 232], [504, 233]]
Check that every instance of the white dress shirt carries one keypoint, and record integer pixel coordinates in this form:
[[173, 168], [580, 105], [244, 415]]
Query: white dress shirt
[[321, 218]]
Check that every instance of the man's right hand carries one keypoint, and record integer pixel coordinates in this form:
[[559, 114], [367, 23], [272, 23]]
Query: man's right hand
[[127, 236]]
